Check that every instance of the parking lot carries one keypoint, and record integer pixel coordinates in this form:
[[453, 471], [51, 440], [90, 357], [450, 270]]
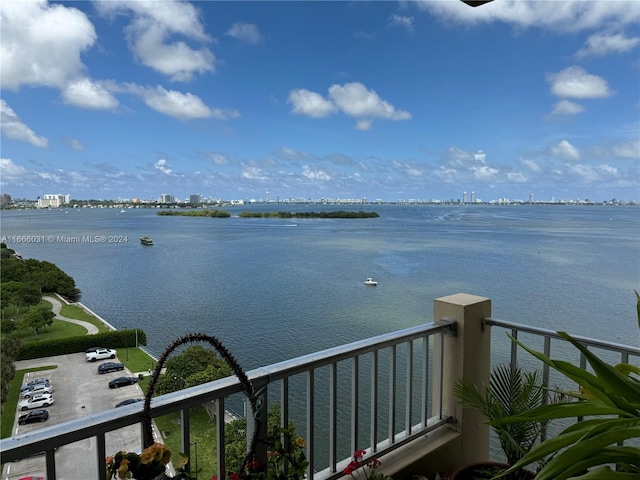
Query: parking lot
[[78, 391]]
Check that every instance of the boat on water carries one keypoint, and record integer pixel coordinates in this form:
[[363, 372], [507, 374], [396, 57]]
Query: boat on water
[[146, 240], [370, 281]]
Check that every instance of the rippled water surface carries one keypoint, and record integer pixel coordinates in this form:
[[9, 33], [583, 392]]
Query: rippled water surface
[[274, 289]]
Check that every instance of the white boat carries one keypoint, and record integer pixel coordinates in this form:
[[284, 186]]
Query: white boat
[[370, 281]]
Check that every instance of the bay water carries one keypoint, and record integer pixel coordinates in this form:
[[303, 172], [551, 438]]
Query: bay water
[[273, 289]]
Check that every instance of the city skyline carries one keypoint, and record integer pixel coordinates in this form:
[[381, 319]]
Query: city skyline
[[376, 100]]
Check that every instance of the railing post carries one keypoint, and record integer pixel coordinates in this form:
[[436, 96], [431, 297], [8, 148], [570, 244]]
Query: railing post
[[467, 354]]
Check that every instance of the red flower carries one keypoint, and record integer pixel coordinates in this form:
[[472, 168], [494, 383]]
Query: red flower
[[358, 454], [253, 465], [374, 463], [214, 477], [234, 476], [352, 467]]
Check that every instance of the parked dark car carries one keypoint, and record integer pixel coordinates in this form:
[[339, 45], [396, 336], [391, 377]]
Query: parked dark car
[[110, 367], [122, 381], [35, 416], [128, 401]]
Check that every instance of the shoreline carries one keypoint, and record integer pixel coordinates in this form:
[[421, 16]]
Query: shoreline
[[85, 308]]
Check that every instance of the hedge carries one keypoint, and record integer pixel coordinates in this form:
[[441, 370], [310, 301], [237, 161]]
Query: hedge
[[64, 346]]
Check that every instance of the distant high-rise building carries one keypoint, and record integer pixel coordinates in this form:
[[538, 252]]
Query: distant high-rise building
[[464, 197], [267, 195], [195, 199], [166, 198], [473, 197], [5, 199], [531, 198], [53, 200]]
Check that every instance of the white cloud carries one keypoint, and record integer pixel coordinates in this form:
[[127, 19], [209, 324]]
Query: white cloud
[[85, 93], [13, 128], [75, 144], [531, 165], [218, 159], [556, 16], [150, 36], [630, 149], [566, 107], [516, 177], [251, 172], [162, 166], [10, 171], [184, 106], [604, 43], [51, 176], [176, 60], [245, 32], [42, 44], [575, 82], [403, 22], [585, 172], [353, 99], [315, 174], [565, 151], [483, 172], [310, 103], [356, 100], [363, 124]]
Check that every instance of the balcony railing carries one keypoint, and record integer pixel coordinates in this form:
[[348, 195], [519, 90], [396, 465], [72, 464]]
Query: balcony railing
[[396, 390]]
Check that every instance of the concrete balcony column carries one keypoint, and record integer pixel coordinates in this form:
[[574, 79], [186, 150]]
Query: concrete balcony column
[[467, 355]]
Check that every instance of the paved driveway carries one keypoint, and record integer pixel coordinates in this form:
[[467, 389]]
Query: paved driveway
[[78, 391]]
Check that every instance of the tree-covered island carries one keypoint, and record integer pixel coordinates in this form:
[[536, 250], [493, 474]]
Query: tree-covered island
[[195, 213], [286, 215]]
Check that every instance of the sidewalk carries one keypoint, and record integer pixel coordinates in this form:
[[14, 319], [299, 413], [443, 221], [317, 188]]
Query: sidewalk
[[57, 307]]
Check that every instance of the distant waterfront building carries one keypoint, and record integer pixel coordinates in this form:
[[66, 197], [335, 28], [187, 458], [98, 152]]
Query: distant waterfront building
[[531, 198], [195, 199], [464, 197], [5, 199], [473, 197], [53, 200], [166, 198]]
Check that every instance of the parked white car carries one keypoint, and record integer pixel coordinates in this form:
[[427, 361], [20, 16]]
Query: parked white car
[[36, 390], [38, 401], [100, 354]]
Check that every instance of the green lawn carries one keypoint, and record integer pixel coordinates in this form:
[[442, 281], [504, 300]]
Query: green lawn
[[10, 406], [202, 431], [59, 329], [77, 313]]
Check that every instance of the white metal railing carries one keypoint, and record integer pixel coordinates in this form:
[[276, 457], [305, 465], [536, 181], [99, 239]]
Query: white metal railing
[[626, 353], [397, 391]]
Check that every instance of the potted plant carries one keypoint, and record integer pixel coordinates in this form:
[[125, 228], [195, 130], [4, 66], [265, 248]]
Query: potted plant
[[611, 398], [511, 391]]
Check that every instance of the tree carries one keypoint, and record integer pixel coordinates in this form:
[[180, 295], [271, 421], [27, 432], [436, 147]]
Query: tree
[[19, 294], [38, 317], [9, 350], [287, 449], [194, 366]]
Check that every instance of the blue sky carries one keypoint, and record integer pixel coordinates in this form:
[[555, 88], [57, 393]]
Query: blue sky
[[383, 100]]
